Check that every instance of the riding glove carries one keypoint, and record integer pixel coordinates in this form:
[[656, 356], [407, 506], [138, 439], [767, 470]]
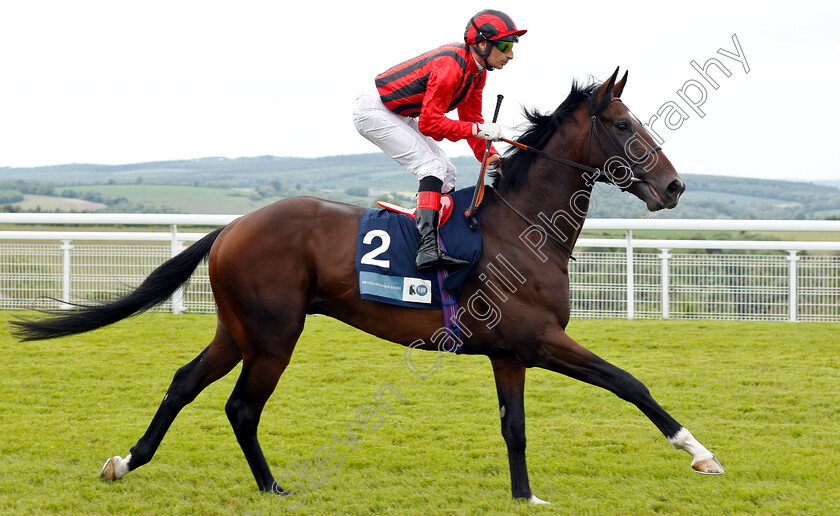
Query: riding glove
[[488, 131]]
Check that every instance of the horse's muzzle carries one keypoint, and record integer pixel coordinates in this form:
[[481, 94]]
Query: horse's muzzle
[[673, 192]]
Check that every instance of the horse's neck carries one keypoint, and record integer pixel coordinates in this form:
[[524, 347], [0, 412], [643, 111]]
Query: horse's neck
[[557, 196]]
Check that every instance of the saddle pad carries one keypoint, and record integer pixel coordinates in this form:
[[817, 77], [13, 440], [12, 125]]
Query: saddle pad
[[386, 248]]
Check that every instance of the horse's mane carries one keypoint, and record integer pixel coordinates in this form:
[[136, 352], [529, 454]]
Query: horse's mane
[[516, 162]]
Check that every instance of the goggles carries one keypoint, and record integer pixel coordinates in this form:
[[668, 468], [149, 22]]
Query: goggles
[[504, 46]]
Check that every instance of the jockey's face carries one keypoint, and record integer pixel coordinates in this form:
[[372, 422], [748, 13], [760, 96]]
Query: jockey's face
[[497, 59]]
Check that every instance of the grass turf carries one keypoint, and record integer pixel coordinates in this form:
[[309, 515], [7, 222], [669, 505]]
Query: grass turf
[[762, 396]]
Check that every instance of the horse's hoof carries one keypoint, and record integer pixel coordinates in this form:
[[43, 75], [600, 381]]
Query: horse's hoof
[[109, 471], [536, 501], [708, 467]]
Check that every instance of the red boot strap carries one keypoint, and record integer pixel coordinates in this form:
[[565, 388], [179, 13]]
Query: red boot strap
[[428, 200]]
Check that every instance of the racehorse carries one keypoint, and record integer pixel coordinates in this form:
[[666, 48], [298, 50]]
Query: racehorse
[[272, 267]]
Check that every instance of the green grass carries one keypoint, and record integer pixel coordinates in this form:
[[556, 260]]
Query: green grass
[[184, 199], [50, 203], [762, 396], [199, 199]]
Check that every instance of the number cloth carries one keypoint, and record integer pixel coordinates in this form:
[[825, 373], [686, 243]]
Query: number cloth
[[385, 251]]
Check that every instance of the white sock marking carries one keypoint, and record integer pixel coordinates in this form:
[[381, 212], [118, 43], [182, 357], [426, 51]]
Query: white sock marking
[[121, 465], [685, 441], [536, 501]]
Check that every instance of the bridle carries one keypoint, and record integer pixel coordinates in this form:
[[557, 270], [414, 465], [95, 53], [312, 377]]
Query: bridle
[[594, 123]]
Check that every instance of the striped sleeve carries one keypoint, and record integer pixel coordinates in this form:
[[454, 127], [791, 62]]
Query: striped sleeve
[[444, 81]]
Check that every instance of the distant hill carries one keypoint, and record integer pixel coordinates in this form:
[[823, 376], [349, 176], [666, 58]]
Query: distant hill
[[359, 178], [835, 184], [715, 197], [328, 172]]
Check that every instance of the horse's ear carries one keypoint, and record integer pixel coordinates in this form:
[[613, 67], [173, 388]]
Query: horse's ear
[[619, 86], [607, 87]]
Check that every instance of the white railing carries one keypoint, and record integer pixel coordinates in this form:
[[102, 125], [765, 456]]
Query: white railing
[[30, 273], [612, 277], [744, 287]]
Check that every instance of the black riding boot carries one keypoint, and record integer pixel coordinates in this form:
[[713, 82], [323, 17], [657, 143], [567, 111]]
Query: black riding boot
[[429, 255]]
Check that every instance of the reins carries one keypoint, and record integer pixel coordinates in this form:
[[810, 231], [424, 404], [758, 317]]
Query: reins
[[552, 157], [532, 223]]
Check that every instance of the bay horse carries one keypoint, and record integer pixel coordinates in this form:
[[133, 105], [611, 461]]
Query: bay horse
[[272, 267]]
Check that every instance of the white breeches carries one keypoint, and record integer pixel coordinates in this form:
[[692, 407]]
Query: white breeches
[[399, 137]]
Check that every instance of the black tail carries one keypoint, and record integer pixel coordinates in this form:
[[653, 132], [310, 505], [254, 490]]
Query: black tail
[[155, 289]]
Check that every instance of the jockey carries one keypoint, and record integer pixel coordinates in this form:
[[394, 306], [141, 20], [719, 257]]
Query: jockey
[[406, 116]]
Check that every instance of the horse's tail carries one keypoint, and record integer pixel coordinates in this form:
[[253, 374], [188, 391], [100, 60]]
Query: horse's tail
[[154, 290]]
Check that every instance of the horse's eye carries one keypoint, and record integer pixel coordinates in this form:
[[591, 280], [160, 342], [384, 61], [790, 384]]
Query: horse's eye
[[622, 126]]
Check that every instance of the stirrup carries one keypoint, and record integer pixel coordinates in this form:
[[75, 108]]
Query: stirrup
[[441, 261], [429, 262], [451, 263]]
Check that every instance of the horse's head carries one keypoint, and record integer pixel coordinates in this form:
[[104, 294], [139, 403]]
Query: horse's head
[[595, 133], [629, 157]]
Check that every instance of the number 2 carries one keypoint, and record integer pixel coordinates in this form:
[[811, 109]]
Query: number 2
[[370, 258]]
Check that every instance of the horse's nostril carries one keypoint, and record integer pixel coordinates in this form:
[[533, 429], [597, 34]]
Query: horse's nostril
[[676, 187]]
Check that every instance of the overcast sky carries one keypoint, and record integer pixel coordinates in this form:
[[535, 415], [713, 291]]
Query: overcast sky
[[117, 82]]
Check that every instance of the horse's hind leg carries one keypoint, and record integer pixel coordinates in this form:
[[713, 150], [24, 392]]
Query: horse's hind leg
[[214, 362], [562, 354], [262, 367], [256, 383]]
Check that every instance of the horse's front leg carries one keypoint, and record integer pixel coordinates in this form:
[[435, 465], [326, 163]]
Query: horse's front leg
[[510, 386], [562, 354]]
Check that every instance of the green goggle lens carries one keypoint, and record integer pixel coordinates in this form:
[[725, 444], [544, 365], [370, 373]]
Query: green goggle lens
[[504, 46]]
